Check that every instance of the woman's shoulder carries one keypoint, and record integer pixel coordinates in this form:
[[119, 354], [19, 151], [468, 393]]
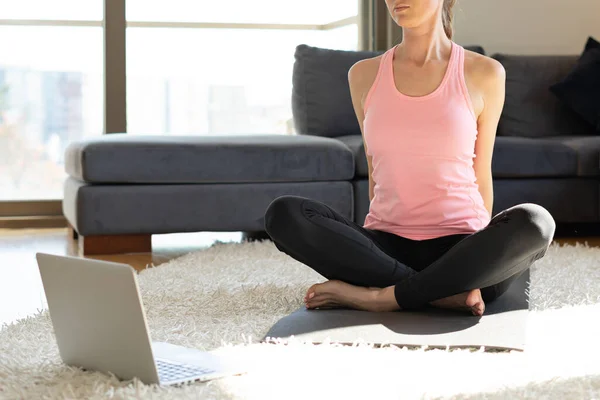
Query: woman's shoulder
[[482, 69], [364, 70]]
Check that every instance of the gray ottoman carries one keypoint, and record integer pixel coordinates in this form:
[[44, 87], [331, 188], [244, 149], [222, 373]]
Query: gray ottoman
[[124, 188]]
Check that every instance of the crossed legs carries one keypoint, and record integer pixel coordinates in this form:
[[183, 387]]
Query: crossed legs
[[421, 272]]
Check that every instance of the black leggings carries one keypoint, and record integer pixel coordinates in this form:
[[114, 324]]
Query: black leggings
[[421, 270]]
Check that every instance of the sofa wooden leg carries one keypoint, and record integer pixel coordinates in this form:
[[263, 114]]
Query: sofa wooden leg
[[115, 244], [72, 232], [255, 235]]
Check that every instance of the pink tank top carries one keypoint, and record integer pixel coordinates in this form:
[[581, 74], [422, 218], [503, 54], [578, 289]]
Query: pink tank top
[[422, 150]]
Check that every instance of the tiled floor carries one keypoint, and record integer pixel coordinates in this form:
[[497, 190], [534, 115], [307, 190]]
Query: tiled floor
[[21, 292]]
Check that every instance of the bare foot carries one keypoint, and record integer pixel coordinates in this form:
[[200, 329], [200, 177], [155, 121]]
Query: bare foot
[[338, 294], [468, 301]]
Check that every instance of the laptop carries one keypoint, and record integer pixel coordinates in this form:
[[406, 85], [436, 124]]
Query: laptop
[[100, 324]]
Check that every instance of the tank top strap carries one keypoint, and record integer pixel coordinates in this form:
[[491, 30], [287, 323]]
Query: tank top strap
[[458, 76], [387, 69], [384, 76], [457, 62]]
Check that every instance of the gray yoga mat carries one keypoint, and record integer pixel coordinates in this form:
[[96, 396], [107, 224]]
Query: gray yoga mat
[[503, 325]]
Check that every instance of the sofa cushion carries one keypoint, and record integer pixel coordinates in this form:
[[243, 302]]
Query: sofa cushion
[[321, 101], [552, 157], [356, 145], [516, 157], [123, 158], [580, 90], [588, 153], [530, 109]]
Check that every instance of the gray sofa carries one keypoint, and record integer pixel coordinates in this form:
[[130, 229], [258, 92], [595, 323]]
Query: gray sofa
[[124, 188]]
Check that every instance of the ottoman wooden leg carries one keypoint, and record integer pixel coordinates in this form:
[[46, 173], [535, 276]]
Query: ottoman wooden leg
[[72, 232], [115, 244]]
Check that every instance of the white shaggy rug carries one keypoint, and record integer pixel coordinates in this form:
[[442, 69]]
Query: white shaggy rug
[[227, 297]]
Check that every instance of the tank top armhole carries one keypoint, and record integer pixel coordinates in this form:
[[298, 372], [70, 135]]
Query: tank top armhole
[[463, 84], [375, 82]]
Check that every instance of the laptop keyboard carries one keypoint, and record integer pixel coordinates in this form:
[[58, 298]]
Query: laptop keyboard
[[168, 371]]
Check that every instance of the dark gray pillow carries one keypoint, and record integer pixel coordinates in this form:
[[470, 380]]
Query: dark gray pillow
[[530, 109], [321, 101], [580, 90], [591, 44]]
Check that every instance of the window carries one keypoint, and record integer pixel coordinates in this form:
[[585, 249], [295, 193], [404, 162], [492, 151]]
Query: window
[[193, 68], [314, 12], [50, 92], [72, 10], [203, 73]]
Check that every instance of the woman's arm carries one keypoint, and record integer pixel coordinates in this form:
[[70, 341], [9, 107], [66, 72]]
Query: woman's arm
[[492, 79], [360, 79]]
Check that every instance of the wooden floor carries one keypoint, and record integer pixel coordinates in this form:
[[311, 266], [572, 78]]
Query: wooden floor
[[21, 291]]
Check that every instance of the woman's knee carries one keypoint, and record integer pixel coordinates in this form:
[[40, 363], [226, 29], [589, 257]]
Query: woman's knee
[[282, 212], [536, 220]]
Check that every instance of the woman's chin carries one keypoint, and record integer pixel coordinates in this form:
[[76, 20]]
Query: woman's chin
[[403, 21]]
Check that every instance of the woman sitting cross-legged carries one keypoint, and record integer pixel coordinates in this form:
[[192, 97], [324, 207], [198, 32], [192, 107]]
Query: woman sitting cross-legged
[[428, 111]]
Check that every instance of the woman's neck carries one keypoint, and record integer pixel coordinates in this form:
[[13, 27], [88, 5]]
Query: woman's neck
[[424, 43]]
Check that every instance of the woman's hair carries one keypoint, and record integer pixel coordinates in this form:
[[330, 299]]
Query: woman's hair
[[447, 17]]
